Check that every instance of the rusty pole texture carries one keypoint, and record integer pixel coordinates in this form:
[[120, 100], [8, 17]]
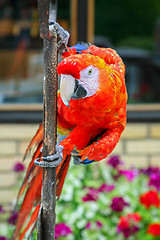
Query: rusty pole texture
[[46, 221]]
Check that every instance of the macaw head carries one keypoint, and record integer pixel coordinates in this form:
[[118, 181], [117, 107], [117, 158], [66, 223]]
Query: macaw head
[[81, 73]]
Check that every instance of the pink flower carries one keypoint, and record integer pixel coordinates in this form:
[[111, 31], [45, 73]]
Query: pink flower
[[92, 195], [18, 167], [88, 225], [106, 188], [99, 224], [129, 174], [62, 230]]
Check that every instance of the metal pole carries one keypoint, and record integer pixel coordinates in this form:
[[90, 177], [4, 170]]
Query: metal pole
[[46, 220], [49, 138]]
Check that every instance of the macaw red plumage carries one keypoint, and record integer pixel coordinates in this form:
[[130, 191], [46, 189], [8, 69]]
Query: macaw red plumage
[[91, 116]]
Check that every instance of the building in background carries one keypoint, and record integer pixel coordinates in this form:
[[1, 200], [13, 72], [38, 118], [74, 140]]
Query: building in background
[[134, 34]]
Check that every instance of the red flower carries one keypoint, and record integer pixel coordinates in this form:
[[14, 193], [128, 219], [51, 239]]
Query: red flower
[[149, 199], [128, 224], [134, 216], [154, 229], [123, 223]]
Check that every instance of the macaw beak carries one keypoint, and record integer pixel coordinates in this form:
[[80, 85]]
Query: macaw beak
[[70, 88]]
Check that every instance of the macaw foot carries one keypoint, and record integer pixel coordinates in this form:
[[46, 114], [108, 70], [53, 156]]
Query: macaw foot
[[62, 35], [77, 159], [52, 160]]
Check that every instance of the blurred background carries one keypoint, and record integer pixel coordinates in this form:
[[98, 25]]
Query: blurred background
[[130, 27]]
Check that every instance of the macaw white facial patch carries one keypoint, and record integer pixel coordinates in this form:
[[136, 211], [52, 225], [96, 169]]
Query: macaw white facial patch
[[89, 79], [84, 87]]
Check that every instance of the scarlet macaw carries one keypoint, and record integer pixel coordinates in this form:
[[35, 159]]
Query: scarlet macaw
[[91, 116]]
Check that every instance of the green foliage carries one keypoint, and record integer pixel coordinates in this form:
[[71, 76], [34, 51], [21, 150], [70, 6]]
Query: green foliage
[[121, 19], [143, 42]]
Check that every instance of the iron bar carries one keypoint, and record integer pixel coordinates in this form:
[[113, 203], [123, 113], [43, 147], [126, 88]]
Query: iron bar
[[46, 220]]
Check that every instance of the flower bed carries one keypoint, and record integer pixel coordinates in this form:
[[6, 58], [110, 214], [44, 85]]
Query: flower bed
[[106, 201]]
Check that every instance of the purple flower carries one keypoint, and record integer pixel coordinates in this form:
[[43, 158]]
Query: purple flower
[[2, 209], [92, 195], [134, 229], [118, 204], [106, 188], [62, 230], [99, 224], [88, 225], [150, 170], [13, 218], [3, 238], [127, 232], [155, 180], [129, 174], [18, 167], [114, 161]]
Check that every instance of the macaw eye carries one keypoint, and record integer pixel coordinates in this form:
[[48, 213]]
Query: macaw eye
[[90, 72]]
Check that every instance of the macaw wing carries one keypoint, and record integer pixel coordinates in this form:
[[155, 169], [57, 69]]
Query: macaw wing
[[103, 144]]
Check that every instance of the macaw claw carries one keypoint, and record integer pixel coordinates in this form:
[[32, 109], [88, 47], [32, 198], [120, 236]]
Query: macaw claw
[[77, 159], [62, 35], [52, 160], [55, 163]]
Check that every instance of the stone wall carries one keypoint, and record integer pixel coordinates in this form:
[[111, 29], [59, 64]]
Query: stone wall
[[139, 145], [14, 139]]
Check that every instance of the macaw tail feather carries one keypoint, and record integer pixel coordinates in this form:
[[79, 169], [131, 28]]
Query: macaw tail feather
[[30, 171], [61, 175], [32, 186], [32, 198], [32, 222], [38, 137]]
